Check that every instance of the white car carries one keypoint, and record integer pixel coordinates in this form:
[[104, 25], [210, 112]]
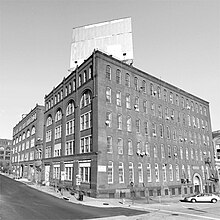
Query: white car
[[202, 197]]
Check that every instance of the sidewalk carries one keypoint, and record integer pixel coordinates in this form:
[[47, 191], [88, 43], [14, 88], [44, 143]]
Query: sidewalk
[[101, 202]]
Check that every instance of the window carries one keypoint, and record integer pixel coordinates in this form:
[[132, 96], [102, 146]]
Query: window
[[70, 88], [155, 151], [109, 144], [85, 100], [159, 92], [131, 172], [129, 128], [80, 80], [138, 147], [28, 133], [118, 98], [157, 176], [118, 76], [56, 172], [187, 154], [192, 154], [136, 83], [181, 153], [69, 147], [86, 144], [162, 151], [164, 172], [144, 86], [130, 147], [121, 172], [58, 130], [138, 125], [165, 95], [120, 146], [153, 109], [169, 151], [85, 121], [49, 121], [168, 132], [108, 119], [57, 150], [151, 89], [136, 104], [149, 177], [128, 101], [146, 127], [58, 116], [108, 72], [161, 130], [177, 100], [90, 72], [119, 121], [147, 149], [108, 95], [48, 137], [154, 130], [85, 172], [171, 97], [84, 76], [68, 171], [70, 127], [160, 111], [140, 173], [74, 84], [127, 80], [32, 132], [171, 172], [177, 173], [145, 106], [189, 172], [110, 172]]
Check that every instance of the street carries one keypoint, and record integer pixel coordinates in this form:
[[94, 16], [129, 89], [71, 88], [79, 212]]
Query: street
[[20, 202]]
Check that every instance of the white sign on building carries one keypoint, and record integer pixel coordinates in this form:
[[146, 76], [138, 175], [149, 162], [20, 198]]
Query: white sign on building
[[112, 37]]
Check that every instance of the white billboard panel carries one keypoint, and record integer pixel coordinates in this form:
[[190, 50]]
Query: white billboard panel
[[112, 37]]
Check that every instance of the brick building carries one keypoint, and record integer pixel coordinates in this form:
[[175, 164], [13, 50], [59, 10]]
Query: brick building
[[216, 144], [119, 131], [27, 144], [5, 155]]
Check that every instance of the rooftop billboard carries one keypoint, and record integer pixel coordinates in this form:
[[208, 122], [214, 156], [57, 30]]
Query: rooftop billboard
[[112, 37]]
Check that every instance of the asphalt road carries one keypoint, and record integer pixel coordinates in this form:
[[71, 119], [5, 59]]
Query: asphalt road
[[20, 202]]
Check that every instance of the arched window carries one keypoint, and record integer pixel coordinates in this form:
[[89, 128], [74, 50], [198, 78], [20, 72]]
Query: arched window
[[140, 173], [127, 80], [149, 178], [19, 138], [23, 136], [177, 173], [129, 123], [58, 115], [28, 134], [157, 176], [49, 121], [85, 99], [108, 72], [121, 172], [70, 108], [171, 172], [164, 172], [33, 130]]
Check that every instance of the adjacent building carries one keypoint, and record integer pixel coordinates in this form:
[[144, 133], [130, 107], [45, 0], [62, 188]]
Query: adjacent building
[[27, 144], [5, 155], [116, 131], [216, 144]]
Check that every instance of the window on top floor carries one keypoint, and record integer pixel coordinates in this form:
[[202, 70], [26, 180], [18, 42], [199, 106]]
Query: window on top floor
[[151, 89], [165, 95], [90, 72], [127, 80], [144, 86], [171, 97], [74, 84], [136, 83], [49, 121], [177, 100], [108, 72], [118, 76], [85, 76], [159, 92], [70, 88], [33, 130]]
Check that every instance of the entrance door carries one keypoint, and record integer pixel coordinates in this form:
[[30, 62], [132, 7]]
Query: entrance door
[[197, 184], [197, 189], [47, 174]]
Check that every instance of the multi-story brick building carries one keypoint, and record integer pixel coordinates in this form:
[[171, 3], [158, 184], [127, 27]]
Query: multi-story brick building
[[118, 130], [5, 155], [27, 144], [216, 144]]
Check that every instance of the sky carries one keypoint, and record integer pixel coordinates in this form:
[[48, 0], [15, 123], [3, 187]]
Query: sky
[[177, 41]]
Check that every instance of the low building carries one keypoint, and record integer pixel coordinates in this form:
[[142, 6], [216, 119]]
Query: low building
[[5, 155], [116, 131], [216, 144], [27, 144]]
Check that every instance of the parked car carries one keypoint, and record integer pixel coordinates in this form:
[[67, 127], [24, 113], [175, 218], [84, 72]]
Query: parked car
[[202, 197]]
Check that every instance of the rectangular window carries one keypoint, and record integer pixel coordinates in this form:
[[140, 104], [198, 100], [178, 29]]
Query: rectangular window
[[120, 146], [138, 125], [85, 121], [118, 76], [130, 147], [56, 172], [68, 171], [57, 150], [136, 83], [145, 106], [119, 122], [118, 98], [109, 144], [128, 101], [70, 127], [58, 130], [108, 95], [86, 144], [121, 172], [69, 148], [127, 80], [48, 136], [110, 172], [85, 172]]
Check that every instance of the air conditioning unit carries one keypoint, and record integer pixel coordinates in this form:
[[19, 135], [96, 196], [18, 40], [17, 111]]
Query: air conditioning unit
[[205, 143], [203, 127], [142, 154], [188, 107], [107, 122], [185, 139], [167, 117], [175, 154], [155, 92], [147, 154], [154, 135], [191, 141], [194, 125], [204, 153], [138, 153], [135, 106], [181, 139], [172, 116]]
